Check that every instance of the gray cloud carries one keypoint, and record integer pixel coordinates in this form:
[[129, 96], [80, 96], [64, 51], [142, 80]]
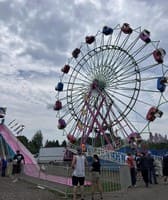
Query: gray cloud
[[37, 38]]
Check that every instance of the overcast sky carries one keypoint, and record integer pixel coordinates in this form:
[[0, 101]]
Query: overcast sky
[[38, 36]]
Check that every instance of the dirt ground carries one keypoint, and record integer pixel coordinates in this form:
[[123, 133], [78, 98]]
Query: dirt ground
[[23, 190], [153, 192]]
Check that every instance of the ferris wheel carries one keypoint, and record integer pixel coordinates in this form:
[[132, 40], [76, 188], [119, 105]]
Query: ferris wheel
[[111, 87]]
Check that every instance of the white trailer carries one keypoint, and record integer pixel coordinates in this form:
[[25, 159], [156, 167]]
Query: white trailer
[[51, 155]]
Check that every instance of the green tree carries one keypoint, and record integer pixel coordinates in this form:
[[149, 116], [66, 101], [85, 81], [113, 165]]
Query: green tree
[[158, 146], [57, 143], [23, 139], [64, 143], [36, 143], [53, 143]]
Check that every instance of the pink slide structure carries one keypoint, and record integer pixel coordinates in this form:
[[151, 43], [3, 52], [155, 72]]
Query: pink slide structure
[[31, 167], [15, 145]]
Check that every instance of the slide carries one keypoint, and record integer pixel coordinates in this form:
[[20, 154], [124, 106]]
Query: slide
[[31, 167], [15, 145]]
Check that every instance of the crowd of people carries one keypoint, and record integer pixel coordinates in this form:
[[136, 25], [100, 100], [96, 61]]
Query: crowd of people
[[141, 164], [144, 164]]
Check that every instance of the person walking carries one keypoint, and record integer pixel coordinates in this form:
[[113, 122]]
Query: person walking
[[78, 176], [95, 172], [144, 167], [18, 160], [165, 167], [131, 163]]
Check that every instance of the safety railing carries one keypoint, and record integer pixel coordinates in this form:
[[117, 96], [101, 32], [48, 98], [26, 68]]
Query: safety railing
[[58, 178]]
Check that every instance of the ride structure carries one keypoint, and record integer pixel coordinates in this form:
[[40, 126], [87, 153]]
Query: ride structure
[[111, 88]]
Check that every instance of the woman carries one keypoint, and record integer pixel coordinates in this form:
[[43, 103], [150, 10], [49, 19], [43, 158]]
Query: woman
[[95, 169], [131, 164]]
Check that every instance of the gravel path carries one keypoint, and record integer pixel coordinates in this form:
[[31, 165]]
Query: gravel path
[[23, 190]]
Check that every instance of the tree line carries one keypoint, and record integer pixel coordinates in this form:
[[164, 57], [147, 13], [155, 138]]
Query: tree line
[[36, 142]]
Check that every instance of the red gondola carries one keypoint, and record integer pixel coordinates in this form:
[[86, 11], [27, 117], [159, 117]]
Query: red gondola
[[126, 28], [61, 124], [65, 69], [76, 52], [89, 39], [159, 54], [153, 113], [58, 105], [71, 138]]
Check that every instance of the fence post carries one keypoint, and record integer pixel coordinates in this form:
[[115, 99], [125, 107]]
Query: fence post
[[125, 178]]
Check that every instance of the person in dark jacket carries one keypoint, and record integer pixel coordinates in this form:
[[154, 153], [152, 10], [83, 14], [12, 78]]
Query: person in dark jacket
[[18, 161], [144, 167], [95, 170]]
